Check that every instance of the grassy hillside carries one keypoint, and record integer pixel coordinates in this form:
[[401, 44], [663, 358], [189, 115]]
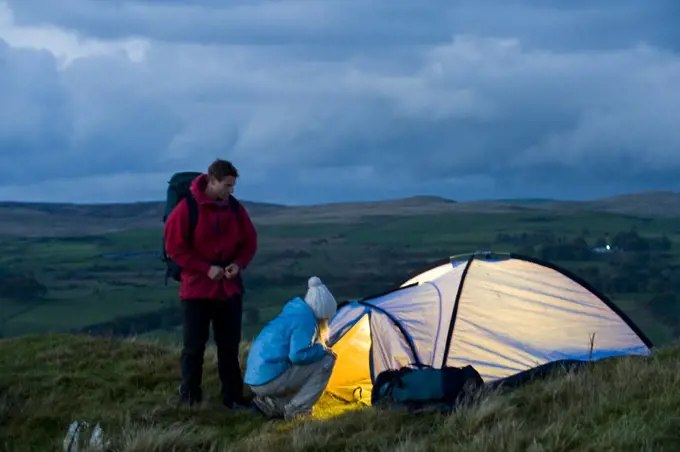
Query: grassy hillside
[[48, 381], [115, 283]]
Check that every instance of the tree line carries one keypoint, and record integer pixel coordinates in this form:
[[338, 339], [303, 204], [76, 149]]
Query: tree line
[[549, 246]]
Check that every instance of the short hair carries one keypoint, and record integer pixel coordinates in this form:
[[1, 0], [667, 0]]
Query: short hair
[[219, 169]]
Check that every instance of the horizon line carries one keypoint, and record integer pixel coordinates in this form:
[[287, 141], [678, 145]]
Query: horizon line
[[383, 200]]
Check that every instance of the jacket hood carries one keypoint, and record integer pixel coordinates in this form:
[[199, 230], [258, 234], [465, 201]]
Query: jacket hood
[[297, 306], [198, 189]]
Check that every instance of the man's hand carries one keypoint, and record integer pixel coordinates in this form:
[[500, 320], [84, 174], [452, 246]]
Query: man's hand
[[231, 271], [215, 273]]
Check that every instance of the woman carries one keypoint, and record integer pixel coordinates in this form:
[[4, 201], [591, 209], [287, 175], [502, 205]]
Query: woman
[[289, 364]]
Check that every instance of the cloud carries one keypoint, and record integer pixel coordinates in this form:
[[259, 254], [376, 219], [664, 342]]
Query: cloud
[[320, 101]]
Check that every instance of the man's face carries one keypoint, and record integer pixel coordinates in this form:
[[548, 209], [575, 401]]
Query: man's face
[[222, 189]]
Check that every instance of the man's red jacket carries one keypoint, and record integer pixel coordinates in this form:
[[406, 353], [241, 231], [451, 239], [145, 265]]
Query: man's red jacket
[[215, 238]]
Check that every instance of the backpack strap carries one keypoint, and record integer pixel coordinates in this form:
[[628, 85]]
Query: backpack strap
[[192, 206], [236, 208]]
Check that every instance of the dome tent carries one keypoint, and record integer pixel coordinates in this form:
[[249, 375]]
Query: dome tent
[[503, 314]]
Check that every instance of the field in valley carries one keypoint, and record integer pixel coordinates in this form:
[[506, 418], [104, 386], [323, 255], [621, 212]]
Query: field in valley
[[114, 282]]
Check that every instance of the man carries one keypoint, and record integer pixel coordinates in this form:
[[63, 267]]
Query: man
[[211, 289]]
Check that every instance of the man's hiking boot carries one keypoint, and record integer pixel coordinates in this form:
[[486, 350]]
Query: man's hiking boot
[[189, 398]]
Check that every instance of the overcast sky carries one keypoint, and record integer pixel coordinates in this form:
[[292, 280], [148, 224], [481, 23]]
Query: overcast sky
[[330, 100]]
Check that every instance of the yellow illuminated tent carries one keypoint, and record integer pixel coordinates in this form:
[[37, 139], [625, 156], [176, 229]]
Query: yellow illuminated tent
[[502, 314]]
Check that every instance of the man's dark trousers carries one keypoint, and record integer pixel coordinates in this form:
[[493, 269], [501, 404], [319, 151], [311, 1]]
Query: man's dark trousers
[[226, 317]]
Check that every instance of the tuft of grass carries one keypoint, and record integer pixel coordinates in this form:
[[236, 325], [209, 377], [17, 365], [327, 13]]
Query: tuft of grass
[[129, 387]]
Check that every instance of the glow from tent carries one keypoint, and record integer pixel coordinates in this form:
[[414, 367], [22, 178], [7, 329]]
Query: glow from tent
[[351, 378]]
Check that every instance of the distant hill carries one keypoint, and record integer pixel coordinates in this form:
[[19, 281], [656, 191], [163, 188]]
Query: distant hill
[[658, 203], [526, 200], [21, 218]]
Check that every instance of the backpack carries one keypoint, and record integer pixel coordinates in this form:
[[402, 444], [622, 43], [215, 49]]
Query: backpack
[[179, 188], [426, 388]]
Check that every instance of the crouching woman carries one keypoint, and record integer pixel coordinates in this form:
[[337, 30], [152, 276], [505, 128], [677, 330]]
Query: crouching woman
[[289, 364]]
